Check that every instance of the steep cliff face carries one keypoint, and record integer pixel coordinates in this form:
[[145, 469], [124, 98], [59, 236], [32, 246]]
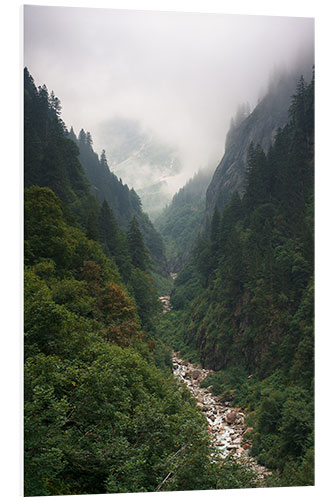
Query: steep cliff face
[[255, 304], [259, 127]]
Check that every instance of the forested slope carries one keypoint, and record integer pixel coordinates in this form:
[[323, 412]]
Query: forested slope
[[52, 160], [246, 296], [124, 202], [180, 222], [103, 413], [260, 127]]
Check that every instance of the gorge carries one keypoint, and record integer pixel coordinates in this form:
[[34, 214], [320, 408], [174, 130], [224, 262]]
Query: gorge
[[173, 360]]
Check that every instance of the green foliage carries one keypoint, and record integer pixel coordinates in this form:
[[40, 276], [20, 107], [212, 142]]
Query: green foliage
[[49, 158], [74, 294], [138, 252], [162, 356], [251, 314], [46, 234], [57, 215], [187, 286], [163, 284], [232, 384], [123, 202], [296, 422], [99, 415], [100, 418], [179, 224], [52, 157], [171, 331], [299, 471], [146, 299], [103, 413]]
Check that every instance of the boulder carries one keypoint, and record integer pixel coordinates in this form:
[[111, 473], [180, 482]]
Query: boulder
[[231, 417], [247, 445], [195, 374]]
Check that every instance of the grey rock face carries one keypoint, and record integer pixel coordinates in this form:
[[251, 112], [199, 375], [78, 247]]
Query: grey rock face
[[259, 127]]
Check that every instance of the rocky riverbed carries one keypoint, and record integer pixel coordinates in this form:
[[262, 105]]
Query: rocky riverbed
[[229, 433]]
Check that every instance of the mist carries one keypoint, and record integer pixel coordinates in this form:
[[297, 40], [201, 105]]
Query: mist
[[180, 75]]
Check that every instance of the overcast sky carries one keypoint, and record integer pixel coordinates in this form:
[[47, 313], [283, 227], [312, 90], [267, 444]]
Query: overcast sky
[[181, 74]]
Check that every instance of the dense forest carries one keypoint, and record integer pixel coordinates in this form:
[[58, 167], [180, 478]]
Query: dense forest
[[180, 222], [124, 202], [103, 412], [243, 303]]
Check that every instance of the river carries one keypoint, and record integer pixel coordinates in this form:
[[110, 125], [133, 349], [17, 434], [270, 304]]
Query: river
[[225, 423]]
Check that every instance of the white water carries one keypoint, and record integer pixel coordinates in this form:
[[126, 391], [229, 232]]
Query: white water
[[223, 434]]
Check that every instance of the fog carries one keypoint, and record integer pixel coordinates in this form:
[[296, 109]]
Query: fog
[[181, 75]]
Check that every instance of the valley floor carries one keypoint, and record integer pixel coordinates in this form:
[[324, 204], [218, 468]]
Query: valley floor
[[225, 423]]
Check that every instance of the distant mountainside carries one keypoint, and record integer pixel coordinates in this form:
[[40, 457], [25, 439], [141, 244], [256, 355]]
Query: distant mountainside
[[259, 127], [124, 202], [141, 160], [179, 223]]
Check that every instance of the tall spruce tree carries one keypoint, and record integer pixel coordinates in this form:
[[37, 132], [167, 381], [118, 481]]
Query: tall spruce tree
[[108, 230], [138, 251]]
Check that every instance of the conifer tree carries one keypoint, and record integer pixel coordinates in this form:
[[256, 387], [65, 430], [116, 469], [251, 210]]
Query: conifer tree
[[103, 160], [214, 237], [89, 140], [138, 251], [71, 134], [108, 230], [214, 233], [55, 104], [82, 137], [92, 225]]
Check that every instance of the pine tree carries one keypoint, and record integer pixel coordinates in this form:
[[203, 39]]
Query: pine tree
[[55, 104], [108, 230], [257, 182], [89, 140], [82, 137], [71, 135], [138, 252], [214, 233], [103, 160]]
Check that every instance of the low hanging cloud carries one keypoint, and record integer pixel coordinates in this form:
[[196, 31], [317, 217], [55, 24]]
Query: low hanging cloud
[[180, 75]]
